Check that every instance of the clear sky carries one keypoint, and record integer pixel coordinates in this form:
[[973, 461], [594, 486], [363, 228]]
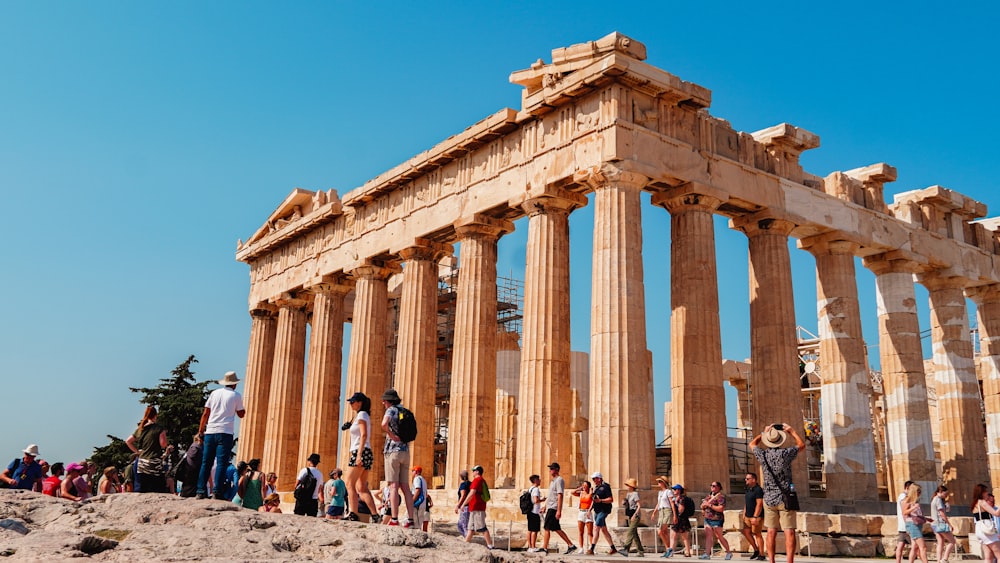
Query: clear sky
[[139, 141]]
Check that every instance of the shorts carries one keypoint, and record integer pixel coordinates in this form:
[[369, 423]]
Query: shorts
[[551, 522], [477, 521], [709, 523], [534, 522], [366, 459], [664, 517], [397, 467], [903, 537], [600, 519], [335, 511], [755, 525], [585, 516], [915, 532], [777, 518]]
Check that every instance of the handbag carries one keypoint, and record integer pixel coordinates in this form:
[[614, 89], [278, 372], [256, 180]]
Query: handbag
[[986, 525], [788, 497]]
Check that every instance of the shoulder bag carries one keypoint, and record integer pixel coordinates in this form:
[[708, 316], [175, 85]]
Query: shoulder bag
[[789, 498]]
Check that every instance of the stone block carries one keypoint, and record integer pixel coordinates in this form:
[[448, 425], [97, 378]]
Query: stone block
[[848, 524], [855, 547], [817, 545], [733, 520], [874, 524], [962, 525], [814, 522], [889, 526]]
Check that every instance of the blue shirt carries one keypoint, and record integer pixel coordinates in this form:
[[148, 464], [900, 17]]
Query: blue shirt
[[24, 473]]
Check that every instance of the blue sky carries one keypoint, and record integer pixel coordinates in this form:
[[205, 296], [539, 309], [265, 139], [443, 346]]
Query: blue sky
[[139, 141]]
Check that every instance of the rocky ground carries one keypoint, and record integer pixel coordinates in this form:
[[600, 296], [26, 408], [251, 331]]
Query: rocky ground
[[136, 527]]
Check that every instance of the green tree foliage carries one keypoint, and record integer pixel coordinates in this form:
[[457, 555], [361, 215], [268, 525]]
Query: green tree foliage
[[179, 401]]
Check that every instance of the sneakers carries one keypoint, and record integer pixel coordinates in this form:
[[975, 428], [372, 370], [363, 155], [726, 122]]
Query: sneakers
[[408, 524], [490, 547], [201, 496], [623, 553], [394, 522], [704, 556], [351, 517], [612, 551], [589, 552], [729, 555], [668, 553], [569, 550], [754, 555]]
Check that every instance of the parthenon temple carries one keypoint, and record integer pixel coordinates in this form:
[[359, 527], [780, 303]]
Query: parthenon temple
[[599, 126]]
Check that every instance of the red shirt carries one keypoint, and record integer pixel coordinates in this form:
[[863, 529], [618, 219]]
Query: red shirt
[[51, 485], [476, 490]]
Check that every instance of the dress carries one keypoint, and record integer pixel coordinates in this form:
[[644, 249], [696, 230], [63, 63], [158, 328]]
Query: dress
[[252, 498]]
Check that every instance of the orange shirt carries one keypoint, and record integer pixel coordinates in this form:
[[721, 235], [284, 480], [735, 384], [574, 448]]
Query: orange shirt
[[586, 500]]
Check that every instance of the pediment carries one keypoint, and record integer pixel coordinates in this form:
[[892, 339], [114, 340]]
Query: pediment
[[301, 209]]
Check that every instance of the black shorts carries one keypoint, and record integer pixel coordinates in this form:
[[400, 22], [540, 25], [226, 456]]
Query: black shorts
[[366, 459], [534, 522], [551, 522]]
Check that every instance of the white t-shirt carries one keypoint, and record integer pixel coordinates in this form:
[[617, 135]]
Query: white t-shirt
[[536, 494], [316, 474], [356, 431], [663, 499], [557, 487], [900, 519], [223, 404]]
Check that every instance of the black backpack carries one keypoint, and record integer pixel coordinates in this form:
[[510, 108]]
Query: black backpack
[[304, 489], [404, 424], [527, 506]]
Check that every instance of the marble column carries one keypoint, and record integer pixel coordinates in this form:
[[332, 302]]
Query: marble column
[[698, 441], [320, 430], [904, 386], [622, 442], [774, 377], [416, 346], [987, 300], [846, 391], [260, 362], [366, 365], [962, 440], [544, 413], [472, 403], [284, 417]]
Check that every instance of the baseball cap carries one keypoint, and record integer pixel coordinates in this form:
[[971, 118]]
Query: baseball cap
[[553, 465], [597, 475]]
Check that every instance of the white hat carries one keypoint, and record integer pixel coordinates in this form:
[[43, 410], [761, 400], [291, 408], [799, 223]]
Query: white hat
[[229, 379], [773, 438], [32, 450], [597, 475]]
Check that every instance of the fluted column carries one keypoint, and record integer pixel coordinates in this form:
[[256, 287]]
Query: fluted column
[[416, 347], [848, 440], [698, 431], [284, 415], [622, 443], [260, 362], [321, 408], [472, 407], [904, 386], [774, 376], [366, 369], [962, 439], [544, 413], [988, 314]]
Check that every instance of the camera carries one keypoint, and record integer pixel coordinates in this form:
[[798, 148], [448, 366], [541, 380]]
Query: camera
[[778, 426], [346, 426]]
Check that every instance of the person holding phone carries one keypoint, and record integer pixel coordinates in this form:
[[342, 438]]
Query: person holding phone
[[776, 462]]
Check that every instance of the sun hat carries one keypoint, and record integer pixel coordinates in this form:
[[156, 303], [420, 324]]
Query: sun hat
[[773, 438], [229, 379], [631, 482], [357, 397], [553, 465], [313, 458], [391, 395], [663, 479], [74, 466], [32, 450], [597, 475]]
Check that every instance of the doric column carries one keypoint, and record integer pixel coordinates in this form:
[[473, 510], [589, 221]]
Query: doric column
[[622, 443], [260, 362], [321, 408], [846, 392], [544, 413], [284, 415], [904, 389], [472, 407], [774, 376], [416, 346], [961, 441], [366, 369], [698, 431], [987, 300]]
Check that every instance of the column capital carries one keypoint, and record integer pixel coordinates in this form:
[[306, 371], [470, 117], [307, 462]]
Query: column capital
[[610, 175], [372, 271], [482, 226], [553, 200], [984, 294], [263, 310], [935, 279], [425, 250], [762, 223], [690, 196], [331, 284], [894, 262], [833, 242], [290, 301]]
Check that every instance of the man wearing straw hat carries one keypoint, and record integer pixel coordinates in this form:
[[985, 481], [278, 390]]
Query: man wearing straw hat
[[776, 463], [217, 427]]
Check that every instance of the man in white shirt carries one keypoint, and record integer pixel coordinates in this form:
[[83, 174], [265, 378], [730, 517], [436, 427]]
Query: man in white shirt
[[902, 538], [217, 427]]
